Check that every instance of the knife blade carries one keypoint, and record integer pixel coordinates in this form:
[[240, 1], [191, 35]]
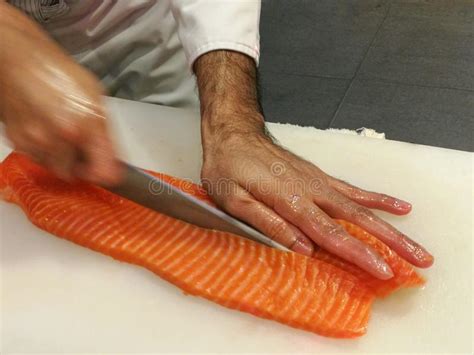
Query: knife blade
[[159, 195]]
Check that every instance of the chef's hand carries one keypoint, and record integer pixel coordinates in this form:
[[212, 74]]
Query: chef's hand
[[293, 201], [52, 107], [280, 194]]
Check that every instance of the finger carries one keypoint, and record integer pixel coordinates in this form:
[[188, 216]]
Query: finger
[[39, 136], [339, 206], [243, 206], [50, 150], [61, 160], [103, 166], [23, 144], [300, 235], [304, 214], [35, 155], [98, 162], [371, 199], [56, 154]]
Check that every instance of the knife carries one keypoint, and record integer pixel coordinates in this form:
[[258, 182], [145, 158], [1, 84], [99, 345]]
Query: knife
[[156, 194]]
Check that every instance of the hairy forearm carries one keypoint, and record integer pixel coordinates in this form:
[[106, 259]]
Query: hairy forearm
[[227, 83]]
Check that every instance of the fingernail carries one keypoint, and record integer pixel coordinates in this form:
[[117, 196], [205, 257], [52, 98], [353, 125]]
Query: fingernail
[[379, 267], [425, 259], [402, 205], [420, 256], [303, 247], [385, 271], [428, 260]]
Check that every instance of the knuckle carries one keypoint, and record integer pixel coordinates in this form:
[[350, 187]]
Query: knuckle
[[39, 138], [360, 213], [335, 230], [333, 196], [83, 124], [353, 190], [292, 204], [315, 216], [276, 229], [235, 204], [221, 189], [316, 186], [385, 198], [69, 130], [334, 236]]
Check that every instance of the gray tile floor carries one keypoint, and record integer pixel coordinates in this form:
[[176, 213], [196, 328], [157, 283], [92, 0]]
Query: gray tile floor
[[403, 67]]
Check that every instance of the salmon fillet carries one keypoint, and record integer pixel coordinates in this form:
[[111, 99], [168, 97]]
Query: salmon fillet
[[405, 274], [302, 292]]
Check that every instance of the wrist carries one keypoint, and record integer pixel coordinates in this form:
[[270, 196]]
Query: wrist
[[230, 109], [219, 128]]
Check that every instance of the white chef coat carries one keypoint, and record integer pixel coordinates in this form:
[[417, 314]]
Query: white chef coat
[[144, 49]]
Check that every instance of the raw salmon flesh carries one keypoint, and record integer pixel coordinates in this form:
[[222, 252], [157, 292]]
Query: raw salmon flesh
[[324, 294]]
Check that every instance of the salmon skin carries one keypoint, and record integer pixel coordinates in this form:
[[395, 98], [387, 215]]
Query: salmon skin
[[324, 294]]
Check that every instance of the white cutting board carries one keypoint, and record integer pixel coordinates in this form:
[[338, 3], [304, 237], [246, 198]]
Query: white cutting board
[[59, 297]]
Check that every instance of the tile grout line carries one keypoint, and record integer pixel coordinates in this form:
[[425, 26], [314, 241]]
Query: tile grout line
[[416, 85], [307, 75], [372, 79], [359, 66]]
